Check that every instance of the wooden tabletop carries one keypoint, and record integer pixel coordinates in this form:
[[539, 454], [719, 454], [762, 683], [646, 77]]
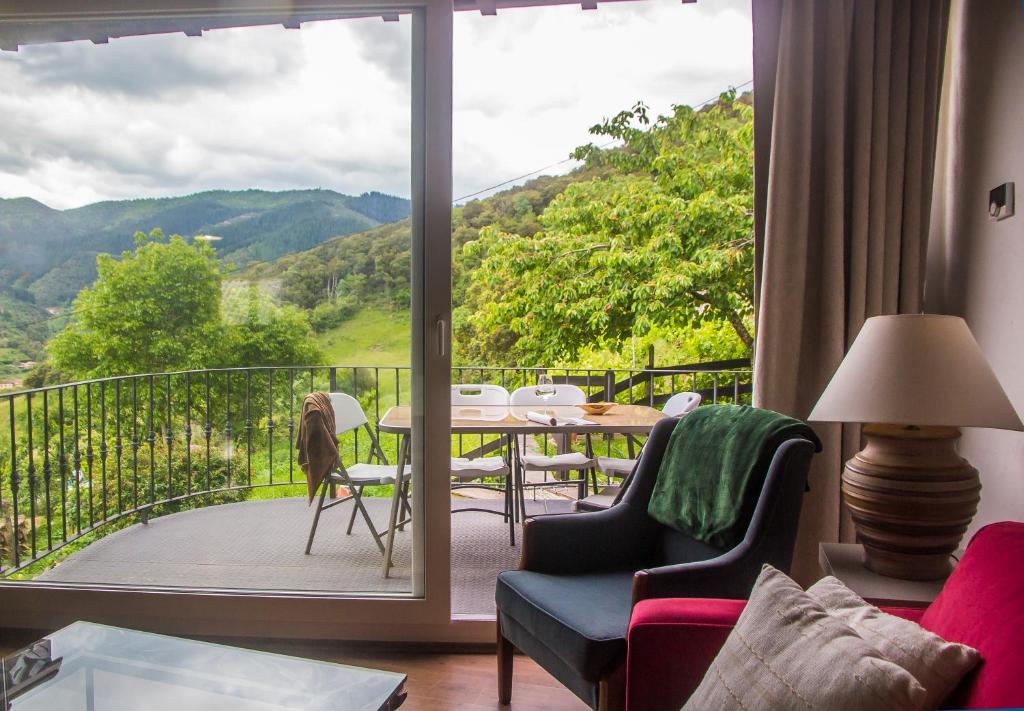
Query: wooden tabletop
[[635, 419]]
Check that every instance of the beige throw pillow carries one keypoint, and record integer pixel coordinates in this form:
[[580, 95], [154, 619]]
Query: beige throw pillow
[[786, 652], [937, 664]]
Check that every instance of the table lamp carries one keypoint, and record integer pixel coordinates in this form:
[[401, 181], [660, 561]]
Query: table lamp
[[913, 380]]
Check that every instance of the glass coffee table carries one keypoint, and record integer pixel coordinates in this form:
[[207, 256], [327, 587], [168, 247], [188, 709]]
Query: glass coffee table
[[92, 667]]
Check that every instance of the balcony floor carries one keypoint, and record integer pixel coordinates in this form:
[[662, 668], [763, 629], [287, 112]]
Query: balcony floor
[[259, 545]]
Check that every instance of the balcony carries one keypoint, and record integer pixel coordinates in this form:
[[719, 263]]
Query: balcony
[[190, 479]]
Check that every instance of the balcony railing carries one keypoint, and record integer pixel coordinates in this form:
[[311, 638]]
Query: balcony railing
[[80, 460]]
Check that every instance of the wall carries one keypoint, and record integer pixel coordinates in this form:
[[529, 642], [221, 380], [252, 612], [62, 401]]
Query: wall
[[976, 266]]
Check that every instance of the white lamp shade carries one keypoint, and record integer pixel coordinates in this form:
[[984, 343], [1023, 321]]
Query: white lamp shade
[[916, 369]]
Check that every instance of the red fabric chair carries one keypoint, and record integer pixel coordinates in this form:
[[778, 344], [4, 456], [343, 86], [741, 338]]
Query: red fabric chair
[[672, 641]]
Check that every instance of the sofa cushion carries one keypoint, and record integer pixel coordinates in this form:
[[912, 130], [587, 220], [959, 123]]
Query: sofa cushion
[[787, 652], [981, 606], [937, 664], [583, 617]]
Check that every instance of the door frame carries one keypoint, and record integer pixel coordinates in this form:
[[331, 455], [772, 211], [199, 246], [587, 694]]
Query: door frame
[[426, 615]]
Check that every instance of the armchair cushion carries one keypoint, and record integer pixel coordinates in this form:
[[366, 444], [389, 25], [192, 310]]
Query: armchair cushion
[[583, 617], [672, 642]]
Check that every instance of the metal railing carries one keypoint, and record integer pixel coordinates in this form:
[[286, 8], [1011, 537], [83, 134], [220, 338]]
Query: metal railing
[[79, 460]]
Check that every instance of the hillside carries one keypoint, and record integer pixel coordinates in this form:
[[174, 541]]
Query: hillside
[[24, 328], [51, 253], [373, 266]]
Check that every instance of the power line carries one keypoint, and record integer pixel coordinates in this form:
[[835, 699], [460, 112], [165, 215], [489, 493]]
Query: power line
[[567, 160]]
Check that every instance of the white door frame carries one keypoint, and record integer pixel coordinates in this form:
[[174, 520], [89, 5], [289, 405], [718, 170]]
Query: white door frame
[[426, 617]]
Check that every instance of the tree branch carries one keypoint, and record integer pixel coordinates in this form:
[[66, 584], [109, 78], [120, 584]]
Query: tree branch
[[741, 330], [581, 250]]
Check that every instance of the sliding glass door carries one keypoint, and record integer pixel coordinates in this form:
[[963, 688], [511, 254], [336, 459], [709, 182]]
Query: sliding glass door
[[167, 492]]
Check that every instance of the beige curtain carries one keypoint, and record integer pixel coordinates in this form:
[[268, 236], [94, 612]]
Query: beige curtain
[[846, 96]]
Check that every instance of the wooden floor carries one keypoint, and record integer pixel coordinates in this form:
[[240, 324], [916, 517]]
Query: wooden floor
[[468, 682]]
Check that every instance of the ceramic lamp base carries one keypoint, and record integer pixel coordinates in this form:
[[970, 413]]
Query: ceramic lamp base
[[911, 497]]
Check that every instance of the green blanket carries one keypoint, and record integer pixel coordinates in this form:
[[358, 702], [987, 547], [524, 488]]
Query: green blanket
[[713, 470]]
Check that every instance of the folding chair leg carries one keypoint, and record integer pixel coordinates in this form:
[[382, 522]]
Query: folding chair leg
[[406, 508], [355, 508], [358, 498], [316, 516]]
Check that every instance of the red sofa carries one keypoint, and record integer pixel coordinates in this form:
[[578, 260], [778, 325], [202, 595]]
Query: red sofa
[[672, 641]]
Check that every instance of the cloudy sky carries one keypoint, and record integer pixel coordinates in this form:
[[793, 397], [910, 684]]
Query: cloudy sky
[[328, 105]]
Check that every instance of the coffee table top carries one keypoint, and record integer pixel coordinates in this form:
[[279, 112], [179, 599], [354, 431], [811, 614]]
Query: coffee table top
[[98, 668]]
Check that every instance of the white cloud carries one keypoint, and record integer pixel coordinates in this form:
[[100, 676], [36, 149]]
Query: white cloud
[[328, 106]]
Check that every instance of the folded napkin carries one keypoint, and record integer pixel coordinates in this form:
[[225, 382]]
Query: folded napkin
[[541, 418]]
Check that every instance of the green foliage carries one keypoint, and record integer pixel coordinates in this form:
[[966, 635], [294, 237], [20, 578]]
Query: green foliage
[[153, 309], [710, 341], [259, 333], [159, 308], [330, 314], [664, 240]]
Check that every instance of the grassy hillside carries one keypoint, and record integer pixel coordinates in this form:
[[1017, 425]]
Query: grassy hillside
[[373, 336], [51, 253]]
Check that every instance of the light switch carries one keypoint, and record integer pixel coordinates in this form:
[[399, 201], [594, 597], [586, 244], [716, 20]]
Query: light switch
[[1000, 202]]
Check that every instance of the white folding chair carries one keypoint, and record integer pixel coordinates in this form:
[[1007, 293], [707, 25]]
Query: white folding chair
[[564, 460], [349, 417], [621, 468], [676, 406], [470, 473]]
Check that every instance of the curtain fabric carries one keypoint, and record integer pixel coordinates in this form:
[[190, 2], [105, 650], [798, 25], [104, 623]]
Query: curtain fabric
[[846, 98]]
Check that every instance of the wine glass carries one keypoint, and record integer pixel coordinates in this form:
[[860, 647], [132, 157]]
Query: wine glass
[[545, 387]]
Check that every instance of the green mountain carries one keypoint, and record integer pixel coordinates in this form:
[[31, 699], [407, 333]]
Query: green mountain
[[51, 253]]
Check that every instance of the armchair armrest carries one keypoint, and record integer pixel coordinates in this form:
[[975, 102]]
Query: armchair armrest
[[730, 575], [671, 643], [587, 542]]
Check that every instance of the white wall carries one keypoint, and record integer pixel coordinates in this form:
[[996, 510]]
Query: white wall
[[976, 266]]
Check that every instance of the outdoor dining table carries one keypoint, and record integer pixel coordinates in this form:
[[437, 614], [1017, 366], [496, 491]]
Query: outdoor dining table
[[514, 423]]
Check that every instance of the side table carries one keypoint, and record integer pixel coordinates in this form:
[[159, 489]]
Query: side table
[[845, 561]]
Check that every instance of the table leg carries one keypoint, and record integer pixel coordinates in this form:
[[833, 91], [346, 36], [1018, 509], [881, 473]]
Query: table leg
[[90, 689], [519, 475], [396, 497]]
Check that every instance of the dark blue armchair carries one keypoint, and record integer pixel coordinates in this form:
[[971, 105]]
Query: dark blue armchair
[[569, 603]]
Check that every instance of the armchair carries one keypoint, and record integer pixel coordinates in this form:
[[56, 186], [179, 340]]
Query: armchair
[[568, 605], [672, 642]]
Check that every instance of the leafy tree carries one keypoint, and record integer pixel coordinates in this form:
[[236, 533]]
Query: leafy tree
[[662, 238], [258, 332], [159, 308], [153, 309]]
